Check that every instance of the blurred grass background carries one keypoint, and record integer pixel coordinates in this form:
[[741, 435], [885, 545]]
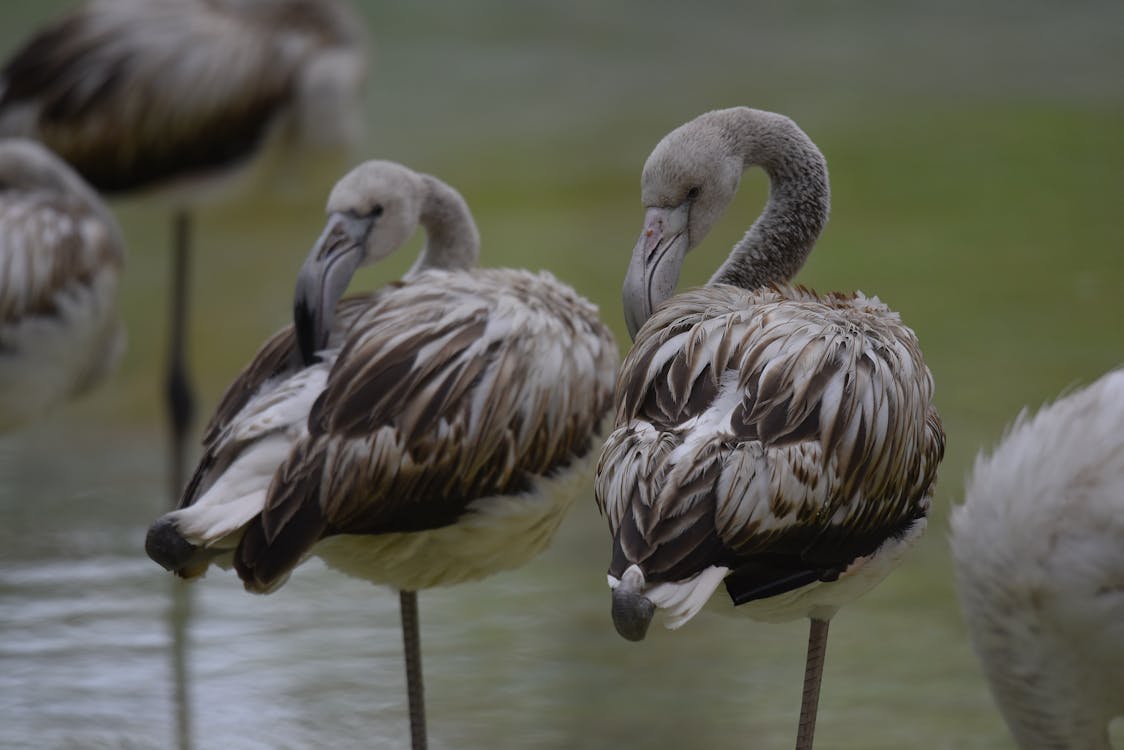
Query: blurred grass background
[[976, 153]]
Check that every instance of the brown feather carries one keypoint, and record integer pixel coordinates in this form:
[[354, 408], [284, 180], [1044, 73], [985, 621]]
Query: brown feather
[[812, 379], [96, 73], [434, 402], [63, 243], [278, 358]]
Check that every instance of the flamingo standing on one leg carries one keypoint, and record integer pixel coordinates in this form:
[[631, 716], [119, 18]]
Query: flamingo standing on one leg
[[778, 442], [432, 432]]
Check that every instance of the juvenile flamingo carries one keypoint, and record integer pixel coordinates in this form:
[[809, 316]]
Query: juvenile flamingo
[[778, 442], [61, 255], [176, 97], [432, 432]]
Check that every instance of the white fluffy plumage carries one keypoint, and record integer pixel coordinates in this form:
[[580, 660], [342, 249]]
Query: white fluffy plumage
[[1039, 552]]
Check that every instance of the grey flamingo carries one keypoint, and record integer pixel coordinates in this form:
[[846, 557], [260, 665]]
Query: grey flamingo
[[432, 432], [1039, 558], [767, 438], [61, 255], [179, 96]]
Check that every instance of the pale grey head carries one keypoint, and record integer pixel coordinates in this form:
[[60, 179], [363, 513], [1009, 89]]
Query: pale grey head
[[690, 179], [372, 212]]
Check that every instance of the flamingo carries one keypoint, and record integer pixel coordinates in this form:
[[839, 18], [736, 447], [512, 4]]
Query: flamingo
[[61, 255], [766, 438], [178, 96], [432, 432], [1038, 547]]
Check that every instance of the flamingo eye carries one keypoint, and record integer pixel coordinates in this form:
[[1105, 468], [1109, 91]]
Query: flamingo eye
[[376, 211], [693, 193]]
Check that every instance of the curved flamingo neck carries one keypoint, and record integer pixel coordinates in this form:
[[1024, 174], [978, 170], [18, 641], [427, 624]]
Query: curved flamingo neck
[[452, 240], [780, 240]]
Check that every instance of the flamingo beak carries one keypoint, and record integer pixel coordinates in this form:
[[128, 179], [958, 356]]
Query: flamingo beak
[[657, 258], [632, 611], [324, 278]]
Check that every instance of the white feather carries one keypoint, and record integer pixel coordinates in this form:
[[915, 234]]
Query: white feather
[[1039, 551]]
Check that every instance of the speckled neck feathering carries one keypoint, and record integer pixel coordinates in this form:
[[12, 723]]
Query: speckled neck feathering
[[452, 240], [777, 442], [689, 181], [778, 243]]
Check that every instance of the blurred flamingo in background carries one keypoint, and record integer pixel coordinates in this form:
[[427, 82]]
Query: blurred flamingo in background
[[178, 97], [61, 255], [1038, 547]]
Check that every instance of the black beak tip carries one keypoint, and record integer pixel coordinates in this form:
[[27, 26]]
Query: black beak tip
[[633, 329], [304, 323], [166, 546], [632, 614]]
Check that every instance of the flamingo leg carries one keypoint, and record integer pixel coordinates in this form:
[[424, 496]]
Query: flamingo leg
[[180, 398], [411, 640], [180, 404], [179, 620], [813, 675]]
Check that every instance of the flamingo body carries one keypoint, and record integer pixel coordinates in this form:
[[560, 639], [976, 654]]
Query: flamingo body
[[777, 441], [61, 256], [1038, 547], [440, 437], [170, 94]]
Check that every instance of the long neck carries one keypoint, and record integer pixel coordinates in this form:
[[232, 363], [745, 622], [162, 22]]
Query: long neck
[[778, 243], [452, 240]]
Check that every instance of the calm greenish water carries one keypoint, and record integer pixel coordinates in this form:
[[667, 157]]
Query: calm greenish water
[[975, 155]]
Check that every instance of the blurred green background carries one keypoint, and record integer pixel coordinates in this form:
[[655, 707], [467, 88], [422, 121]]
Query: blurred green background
[[976, 154]]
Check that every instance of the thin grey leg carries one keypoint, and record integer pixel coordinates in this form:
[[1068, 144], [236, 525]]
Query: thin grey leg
[[411, 639], [813, 675], [181, 399]]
